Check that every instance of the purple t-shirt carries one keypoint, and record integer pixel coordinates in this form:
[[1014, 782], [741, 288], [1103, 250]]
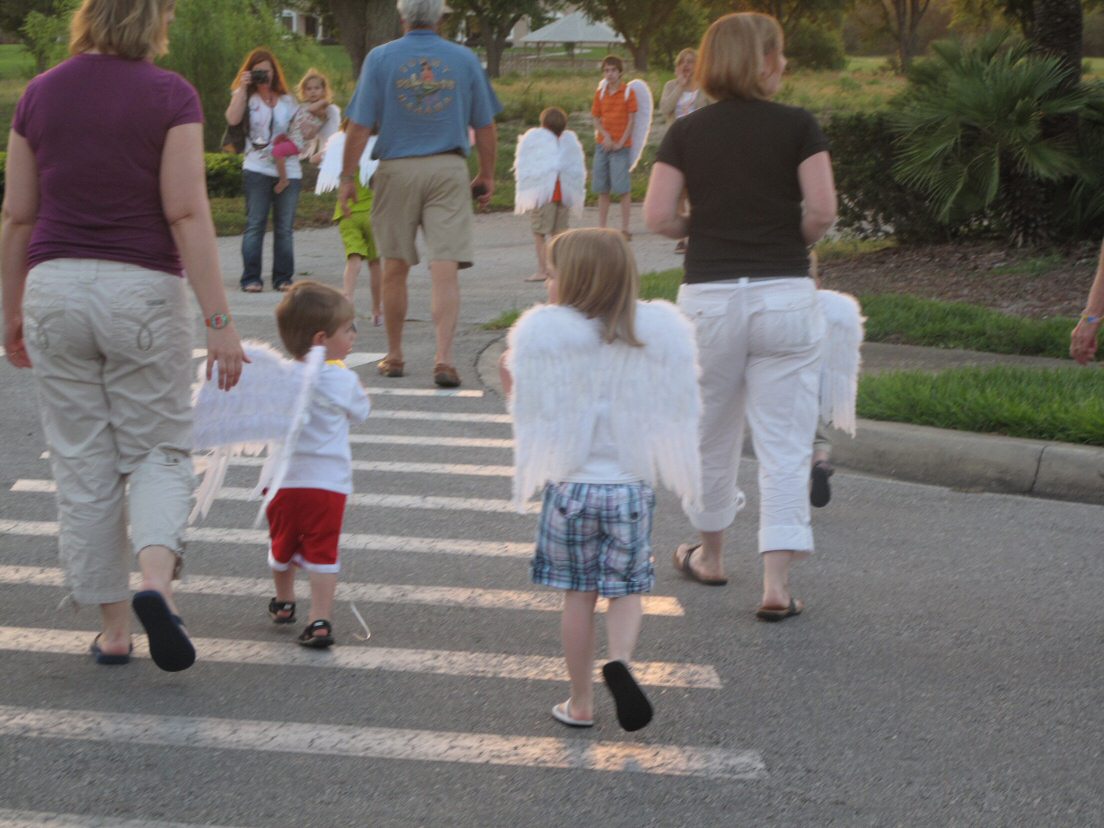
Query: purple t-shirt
[[96, 125]]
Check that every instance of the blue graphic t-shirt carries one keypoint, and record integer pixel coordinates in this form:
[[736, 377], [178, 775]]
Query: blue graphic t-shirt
[[421, 93]]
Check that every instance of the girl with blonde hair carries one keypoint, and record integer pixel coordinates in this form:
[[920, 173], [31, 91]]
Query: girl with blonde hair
[[604, 403], [759, 178]]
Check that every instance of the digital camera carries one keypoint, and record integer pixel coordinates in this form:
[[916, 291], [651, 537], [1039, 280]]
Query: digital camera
[[258, 76]]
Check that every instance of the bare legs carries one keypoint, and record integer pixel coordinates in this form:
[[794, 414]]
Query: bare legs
[[157, 564], [445, 306], [375, 283], [542, 259], [708, 562], [623, 619], [323, 585], [604, 207]]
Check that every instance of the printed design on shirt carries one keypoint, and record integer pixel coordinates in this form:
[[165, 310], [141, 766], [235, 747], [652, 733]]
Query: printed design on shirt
[[423, 86]]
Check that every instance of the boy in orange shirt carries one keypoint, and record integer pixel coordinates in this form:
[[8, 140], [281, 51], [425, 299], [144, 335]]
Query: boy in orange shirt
[[614, 109]]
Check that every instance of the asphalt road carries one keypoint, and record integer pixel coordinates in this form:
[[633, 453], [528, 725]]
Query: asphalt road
[[947, 670]]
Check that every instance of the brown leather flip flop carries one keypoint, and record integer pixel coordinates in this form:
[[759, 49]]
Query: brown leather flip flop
[[683, 565], [779, 613]]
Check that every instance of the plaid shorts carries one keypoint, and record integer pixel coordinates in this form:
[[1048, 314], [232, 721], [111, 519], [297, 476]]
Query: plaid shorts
[[596, 537]]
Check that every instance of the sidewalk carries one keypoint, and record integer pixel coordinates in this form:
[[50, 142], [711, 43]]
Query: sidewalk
[[505, 256]]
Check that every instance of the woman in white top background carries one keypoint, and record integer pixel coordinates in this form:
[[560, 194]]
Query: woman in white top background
[[681, 96], [260, 93]]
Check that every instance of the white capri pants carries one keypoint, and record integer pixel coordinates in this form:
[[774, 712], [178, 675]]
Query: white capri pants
[[111, 351], [759, 346]]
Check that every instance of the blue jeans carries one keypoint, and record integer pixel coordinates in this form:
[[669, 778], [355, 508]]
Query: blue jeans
[[259, 198]]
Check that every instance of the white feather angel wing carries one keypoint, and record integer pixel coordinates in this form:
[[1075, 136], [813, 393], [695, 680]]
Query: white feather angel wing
[[264, 412], [839, 367], [572, 171], [642, 123], [535, 167], [329, 172]]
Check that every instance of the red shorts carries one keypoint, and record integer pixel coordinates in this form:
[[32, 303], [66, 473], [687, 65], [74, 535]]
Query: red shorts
[[305, 526]]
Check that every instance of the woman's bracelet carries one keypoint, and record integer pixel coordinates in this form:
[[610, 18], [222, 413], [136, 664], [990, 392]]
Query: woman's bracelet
[[1089, 318]]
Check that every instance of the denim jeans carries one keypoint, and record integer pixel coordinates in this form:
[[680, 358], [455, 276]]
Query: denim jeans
[[259, 198]]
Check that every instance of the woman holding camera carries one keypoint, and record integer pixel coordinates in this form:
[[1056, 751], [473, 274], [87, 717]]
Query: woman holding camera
[[260, 94]]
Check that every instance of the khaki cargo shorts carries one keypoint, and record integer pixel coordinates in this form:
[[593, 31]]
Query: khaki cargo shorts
[[432, 192], [551, 219]]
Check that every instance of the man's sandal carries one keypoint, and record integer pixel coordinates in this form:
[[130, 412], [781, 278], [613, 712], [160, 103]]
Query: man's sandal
[[275, 607], [308, 638]]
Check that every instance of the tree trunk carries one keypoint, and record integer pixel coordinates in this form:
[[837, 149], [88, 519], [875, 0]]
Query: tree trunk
[[640, 51], [1057, 31], [364, 24], [495, 45]]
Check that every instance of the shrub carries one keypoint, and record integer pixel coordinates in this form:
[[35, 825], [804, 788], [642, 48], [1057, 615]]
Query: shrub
[[811, 46], [871, 203], [224, 174]]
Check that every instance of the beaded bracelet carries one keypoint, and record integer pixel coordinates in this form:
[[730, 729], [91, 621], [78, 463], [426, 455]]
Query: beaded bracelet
[[1092, 320]]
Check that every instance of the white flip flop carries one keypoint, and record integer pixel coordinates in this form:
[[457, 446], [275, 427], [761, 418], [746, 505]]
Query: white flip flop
[[560, 714]]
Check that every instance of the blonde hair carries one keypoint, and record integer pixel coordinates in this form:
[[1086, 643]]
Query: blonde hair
[[596, 274], [314, 74], [734, 53], [686, 53], [307, 308], [133, 29]]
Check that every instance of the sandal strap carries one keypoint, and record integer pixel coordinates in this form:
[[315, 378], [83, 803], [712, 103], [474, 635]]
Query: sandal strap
[[320, 624]]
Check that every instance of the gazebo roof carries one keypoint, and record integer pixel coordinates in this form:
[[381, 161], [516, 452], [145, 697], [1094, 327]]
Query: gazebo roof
[[574, 28]]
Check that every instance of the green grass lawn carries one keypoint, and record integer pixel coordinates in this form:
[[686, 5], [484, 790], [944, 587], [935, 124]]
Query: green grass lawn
[[1065, 404]]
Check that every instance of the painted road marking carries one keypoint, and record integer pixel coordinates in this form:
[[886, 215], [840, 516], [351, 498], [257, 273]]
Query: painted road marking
[[439, 416], [406, 468], [349, 542], [381, 743], [386, 501], [45, 819], [352, 656], [469, 597]]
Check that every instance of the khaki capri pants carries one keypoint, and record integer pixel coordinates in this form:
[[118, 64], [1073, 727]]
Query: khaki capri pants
[[111, 351]]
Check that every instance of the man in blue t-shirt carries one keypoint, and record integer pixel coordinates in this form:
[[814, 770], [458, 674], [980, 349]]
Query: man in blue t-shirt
[[420, 94]]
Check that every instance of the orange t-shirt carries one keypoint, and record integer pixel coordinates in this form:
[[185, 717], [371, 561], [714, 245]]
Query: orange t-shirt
[[557, 194], [613, 111]]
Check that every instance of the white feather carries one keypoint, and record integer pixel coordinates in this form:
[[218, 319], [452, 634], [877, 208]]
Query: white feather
[[539, 160], [263, 412], [329, 171], [839, 367], [563, 373]]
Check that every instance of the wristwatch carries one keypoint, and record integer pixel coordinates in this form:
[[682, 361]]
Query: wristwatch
[[218, 321]]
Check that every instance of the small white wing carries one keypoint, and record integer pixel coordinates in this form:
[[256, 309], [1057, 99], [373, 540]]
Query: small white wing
[[535, 168], [329, 171], [572, 171], [841, 357], [642, 123]]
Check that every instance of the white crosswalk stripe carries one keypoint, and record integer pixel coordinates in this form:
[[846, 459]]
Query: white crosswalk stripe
[[350, 541], [380, 743], [370, 657], [386, 501], [256, 644], [373, 593], [46, 819]]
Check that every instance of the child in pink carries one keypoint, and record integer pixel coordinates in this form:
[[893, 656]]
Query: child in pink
[[309, 118]]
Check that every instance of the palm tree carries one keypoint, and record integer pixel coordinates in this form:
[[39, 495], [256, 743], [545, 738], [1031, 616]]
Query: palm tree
[[973, 138]]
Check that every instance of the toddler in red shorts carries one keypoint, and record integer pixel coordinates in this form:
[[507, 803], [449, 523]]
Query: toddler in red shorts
[[304, 519]]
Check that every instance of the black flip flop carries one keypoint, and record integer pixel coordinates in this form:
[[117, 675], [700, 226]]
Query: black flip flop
[[779, 613], [111, 659], [169, 646], [820, 492], [633, 708], [686, 569]]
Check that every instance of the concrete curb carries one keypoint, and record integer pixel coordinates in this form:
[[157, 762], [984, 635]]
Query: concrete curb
[[941, 457]]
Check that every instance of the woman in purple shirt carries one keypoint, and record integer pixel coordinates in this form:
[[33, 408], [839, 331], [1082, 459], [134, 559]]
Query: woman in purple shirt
[[105, 211]]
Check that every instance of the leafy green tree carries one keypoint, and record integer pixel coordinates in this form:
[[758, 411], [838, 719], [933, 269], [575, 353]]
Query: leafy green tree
[[972, 135], [362, 25], [638, 21], [208, 41], [684, 30], [13, 15], [494, 20], [46, 34]]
